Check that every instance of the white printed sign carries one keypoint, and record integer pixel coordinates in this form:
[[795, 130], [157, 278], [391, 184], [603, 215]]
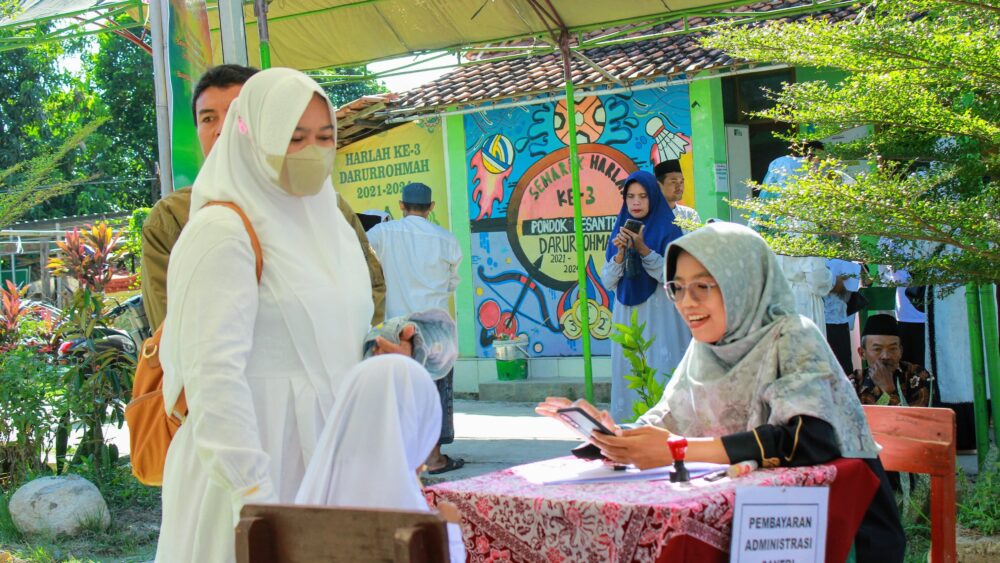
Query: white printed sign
[[721, 177], [779, 524]]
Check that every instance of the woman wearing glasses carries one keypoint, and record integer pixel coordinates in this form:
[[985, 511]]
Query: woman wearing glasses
[[634, 271], [758, 383]]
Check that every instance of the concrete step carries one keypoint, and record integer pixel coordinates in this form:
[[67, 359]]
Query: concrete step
[[535, 389]]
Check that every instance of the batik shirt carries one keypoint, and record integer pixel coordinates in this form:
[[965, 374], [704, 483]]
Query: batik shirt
[[913, 387]]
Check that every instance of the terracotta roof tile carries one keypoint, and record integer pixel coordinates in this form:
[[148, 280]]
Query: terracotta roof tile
[[665, 56]]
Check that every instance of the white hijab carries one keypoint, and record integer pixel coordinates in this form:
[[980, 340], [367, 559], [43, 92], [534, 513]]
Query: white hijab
[[386, 421], [312, 258]]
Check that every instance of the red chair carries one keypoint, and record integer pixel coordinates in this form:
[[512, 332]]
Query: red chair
[[922, 440]]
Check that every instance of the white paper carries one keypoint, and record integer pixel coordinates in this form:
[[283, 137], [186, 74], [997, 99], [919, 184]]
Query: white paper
[[579, 472], [721, 177], [779, 524]]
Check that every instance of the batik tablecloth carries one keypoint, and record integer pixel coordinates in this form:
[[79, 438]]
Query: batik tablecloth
[[506, 517]]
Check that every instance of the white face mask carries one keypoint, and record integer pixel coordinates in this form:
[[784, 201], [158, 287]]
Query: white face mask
[[303, 173]]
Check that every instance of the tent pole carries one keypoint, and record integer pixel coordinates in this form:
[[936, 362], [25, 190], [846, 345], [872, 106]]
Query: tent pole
[[159, 16], [260, 10], [978, 372], [988, 304], [233, 32], [583, 301]]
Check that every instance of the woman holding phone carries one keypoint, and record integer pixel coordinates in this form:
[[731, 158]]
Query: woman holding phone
[[758, 383], [634, 271]]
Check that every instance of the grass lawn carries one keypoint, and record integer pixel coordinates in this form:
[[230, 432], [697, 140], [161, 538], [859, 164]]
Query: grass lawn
[[135, 525]]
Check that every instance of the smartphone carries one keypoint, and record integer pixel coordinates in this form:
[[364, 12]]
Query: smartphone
[[582, 422], [633, 225]]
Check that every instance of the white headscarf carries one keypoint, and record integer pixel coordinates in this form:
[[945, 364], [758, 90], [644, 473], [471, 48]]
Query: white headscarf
[[386, 421], [310, 251], [770, 365]]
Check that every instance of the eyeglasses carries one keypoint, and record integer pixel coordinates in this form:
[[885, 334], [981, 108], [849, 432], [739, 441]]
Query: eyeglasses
[[699, 290]]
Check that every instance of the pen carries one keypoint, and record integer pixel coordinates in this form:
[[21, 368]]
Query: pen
[[716, 476]]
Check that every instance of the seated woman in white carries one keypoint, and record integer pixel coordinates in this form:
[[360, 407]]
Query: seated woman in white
[[386, 420]]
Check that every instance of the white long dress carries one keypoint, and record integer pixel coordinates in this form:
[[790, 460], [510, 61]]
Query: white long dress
[[810, 281], [255, 413], [663, 322], [260, 366]]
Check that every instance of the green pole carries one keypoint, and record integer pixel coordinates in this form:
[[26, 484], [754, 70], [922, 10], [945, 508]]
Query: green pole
[[978, 372], [988, 304], [583, 301], [265, 55], [260, 10]]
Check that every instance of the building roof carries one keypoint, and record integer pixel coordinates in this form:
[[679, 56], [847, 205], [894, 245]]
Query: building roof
[[65, 223], [671, 53], [355, 120]]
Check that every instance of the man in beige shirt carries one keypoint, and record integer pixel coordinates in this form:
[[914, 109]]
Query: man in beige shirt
[[216, 89]]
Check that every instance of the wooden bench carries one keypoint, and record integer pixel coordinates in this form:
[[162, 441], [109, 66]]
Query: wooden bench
[[277, 533], [922, 440]]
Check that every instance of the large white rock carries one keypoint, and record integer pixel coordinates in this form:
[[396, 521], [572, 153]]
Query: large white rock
[[58, 505]]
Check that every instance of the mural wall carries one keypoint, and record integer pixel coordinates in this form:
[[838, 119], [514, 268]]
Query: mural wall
[[521, 209]]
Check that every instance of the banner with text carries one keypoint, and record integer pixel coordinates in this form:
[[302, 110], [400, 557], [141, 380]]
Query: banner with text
[[521, 208], [190, 54], [371, 173]]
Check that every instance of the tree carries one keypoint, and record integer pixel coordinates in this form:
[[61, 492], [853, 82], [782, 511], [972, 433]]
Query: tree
[[925, 74], [342, 92], [125, 149], [116, 84], [28, 77], [38, 180]]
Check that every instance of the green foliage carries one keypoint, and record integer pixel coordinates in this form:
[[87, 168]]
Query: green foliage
[[98, 382], [30, 398], [121, 74], [44, 104], [925, 74], [133, 238], [914, 516], [28, 184], [343, 92], [978, 508], [643, 377], [135, 518]]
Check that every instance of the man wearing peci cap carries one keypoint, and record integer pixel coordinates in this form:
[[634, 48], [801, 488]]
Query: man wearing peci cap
[[420, 261], [886, 379], [671, 180]]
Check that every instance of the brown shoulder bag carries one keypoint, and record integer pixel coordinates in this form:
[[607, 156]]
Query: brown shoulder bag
[[150, 426]]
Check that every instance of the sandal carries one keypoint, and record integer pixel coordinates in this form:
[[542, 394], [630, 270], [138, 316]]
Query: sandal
[[450, 464]]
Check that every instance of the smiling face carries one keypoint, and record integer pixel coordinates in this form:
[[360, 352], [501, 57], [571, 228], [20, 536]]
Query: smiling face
[[705, 317], [314, 128], [636, 200]]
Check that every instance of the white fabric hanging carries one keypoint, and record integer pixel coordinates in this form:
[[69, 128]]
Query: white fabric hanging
[[260, 365], [386, 420]]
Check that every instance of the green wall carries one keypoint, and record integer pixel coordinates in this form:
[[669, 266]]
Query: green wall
[[708, 146], [457, 175]]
